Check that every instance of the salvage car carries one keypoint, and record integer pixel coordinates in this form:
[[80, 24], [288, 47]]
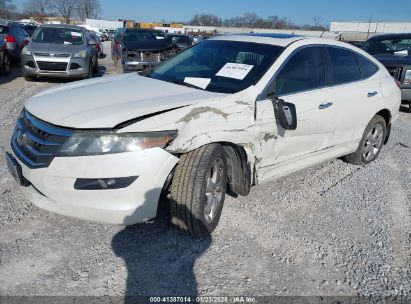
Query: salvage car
[[226, 114], [394, 52], [60, 51], [16, 38], [97, 44], [140, 49], [181, 42]]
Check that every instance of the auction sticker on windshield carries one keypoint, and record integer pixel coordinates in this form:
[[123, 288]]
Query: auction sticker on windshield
[[235, 70]]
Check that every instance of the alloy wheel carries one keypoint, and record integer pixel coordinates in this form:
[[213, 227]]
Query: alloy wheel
[[214, 190], [373, 142]]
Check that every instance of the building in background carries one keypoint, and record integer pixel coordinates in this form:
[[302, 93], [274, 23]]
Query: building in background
[[361, 31]]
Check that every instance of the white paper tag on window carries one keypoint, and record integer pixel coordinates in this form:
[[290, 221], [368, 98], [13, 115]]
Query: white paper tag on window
[[198, 82], [235, 70], [75, 34]]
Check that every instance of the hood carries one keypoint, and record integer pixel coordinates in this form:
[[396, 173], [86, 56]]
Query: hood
[[393, 60], [55, 48], [151, 45], [108, 101]]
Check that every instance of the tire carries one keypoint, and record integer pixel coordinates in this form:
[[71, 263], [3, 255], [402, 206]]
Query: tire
[[196, 202], [90, 71], [28, 78], [371, 143], [95, 67], [5, 67]]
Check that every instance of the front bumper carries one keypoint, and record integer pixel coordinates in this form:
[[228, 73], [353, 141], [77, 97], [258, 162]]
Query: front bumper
[[139, 65], [40, 66], [52, 188]]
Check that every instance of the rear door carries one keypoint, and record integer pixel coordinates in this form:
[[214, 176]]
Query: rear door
[[356, 94], [301, 81]]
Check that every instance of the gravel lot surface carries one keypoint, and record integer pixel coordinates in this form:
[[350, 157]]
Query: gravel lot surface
[[335, 229]]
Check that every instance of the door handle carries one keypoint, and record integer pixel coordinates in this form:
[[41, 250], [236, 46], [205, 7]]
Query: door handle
[[325, 105], [371, 94]]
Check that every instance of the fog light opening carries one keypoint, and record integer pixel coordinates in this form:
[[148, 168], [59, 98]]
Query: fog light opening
[[103, 183]]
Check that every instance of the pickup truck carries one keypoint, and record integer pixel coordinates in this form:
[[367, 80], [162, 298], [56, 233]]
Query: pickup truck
[[394, 52]]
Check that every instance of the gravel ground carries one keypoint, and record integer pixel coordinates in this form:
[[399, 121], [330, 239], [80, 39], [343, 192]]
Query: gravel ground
[[334, 229]]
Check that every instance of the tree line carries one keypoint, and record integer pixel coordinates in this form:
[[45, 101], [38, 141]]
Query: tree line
[[39, 9], [251, 20]]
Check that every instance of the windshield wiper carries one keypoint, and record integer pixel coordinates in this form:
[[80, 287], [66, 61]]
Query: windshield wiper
[[181, 82]]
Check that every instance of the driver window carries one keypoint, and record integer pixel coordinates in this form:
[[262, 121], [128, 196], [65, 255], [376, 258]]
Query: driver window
[[303, 71]]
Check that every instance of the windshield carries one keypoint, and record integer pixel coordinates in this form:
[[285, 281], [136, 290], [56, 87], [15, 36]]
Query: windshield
[[141, 35], [219, 66], [401, 46], [58, 36]]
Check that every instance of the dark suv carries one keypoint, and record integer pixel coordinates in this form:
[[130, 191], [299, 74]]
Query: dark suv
[[140, 49], [394, 51]]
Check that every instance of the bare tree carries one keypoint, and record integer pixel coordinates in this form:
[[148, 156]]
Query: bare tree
[[4, 8], [88, 9], [206, 20], [250, 19], [65, 8], [38, 8]]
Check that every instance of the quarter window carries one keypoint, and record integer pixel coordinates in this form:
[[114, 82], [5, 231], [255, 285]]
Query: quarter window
[[304, 71], [368, 68], [344, 66]]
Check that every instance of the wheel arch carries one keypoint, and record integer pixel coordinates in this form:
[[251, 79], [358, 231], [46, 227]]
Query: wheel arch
[[386, 114], [240, 166]]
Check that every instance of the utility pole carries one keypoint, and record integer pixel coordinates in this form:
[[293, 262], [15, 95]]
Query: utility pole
[[369, 27]]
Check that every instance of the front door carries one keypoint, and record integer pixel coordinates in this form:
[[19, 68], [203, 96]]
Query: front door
[[300, 81]]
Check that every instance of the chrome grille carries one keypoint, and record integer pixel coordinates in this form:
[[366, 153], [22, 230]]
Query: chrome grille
[[36, 142], [150, 57]]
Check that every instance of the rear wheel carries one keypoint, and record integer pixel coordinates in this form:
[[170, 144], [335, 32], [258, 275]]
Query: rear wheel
[[198, 190], [5, 67], [371, 143]]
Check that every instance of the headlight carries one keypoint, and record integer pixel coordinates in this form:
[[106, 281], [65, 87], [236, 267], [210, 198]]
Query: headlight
[[82, 54], [407, 77], [85, 143], [26, 51]]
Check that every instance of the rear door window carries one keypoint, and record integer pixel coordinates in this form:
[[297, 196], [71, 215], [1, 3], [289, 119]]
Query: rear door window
[[303, 71], [344, 66], [368, 68], [4, 29]]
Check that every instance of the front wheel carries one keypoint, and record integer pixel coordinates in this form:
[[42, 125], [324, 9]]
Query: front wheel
[[198, 190], [371, 143]]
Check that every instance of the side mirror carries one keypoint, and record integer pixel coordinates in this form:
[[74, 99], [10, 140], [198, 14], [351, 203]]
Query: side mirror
[[285, 113]]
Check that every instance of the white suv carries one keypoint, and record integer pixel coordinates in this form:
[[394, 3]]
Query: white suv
[[230, 112]]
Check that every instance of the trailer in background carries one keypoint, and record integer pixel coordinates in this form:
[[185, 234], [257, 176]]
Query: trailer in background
[[105, 24]]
